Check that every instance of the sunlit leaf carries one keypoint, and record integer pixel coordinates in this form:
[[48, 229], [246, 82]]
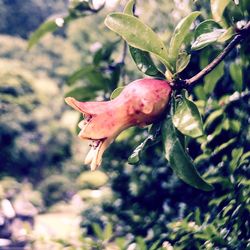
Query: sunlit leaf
[[182, 61], [236, 155], [129, 7], [206, 39], [142, 58], [116, 92], [98, 231], [141, 243], [180, 33], [228, 34], [187, 118], [138, 35], [108, 232], [214, 119], [206, 26], [178, 158], [223, 146], [217, 8]]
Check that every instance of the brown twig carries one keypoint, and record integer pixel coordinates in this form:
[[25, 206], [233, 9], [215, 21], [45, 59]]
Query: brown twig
[[241, 34]]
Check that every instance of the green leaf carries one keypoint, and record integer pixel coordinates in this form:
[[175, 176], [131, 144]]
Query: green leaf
[[48, 26], [145, 63], [182, 61], [179, 160], [228, 34], [141, 58], [98, 231], [129, 8], [200, 93], [79, 74], [93, 76], [223, 146], [108, 232], [155, 245], [214, 119], [151, 139], [180, 33], [213, 77], [138, 35], [116, 92], [206, 27], [206, 39], [187, 118], [141, 243], [104, 53], [217, 8], [237, 75], [236, 155]]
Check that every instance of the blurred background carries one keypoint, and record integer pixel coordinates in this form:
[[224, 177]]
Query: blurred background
[[50, 199]]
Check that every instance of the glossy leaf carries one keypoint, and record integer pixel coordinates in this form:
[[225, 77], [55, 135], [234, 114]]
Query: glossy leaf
[[228, 34], [178, 158], [151, 139], [182, 61], [142, 58], [116, 92], [180, 33], [217, 8], [206, 27], [237, 75], [206, 39], [138, 35], [145, 63], [187, 118], [48, 26]]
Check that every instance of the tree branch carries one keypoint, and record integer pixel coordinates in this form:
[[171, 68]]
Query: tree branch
[[241, 34]]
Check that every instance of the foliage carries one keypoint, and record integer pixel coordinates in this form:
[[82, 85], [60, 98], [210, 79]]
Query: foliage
[[209, 149], [23, 136], [56, 188]]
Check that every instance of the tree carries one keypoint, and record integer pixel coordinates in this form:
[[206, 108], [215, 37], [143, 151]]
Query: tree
[[207, 69]]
